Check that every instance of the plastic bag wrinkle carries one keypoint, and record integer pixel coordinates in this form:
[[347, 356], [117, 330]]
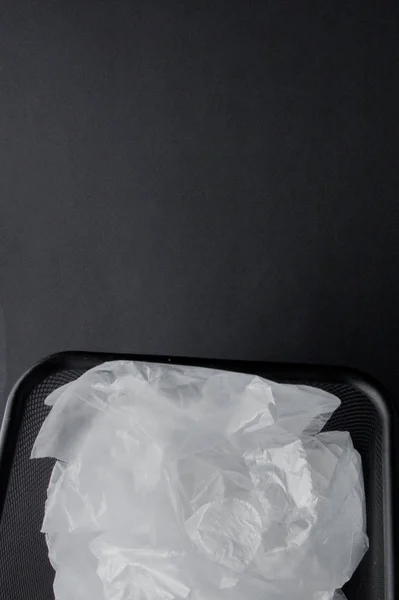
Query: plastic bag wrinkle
[[184, 483]]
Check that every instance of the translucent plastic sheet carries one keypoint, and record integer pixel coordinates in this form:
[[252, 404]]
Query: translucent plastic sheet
[[179, 483]]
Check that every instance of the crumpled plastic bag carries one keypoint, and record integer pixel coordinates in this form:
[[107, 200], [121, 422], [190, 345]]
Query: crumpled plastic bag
[[184, 483]]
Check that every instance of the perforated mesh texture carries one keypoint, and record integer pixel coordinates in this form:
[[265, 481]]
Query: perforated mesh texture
[[25, 571]]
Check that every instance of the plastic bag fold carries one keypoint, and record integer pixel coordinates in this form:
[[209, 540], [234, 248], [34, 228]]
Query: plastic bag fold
[[175, 482]]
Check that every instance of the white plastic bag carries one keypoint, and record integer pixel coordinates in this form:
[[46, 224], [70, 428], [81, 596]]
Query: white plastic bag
[[179, 483]]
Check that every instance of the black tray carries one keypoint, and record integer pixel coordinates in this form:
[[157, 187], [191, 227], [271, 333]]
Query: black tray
[[366, 412]]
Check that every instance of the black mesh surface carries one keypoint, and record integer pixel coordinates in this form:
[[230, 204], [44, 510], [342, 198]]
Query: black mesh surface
[[25, 572]]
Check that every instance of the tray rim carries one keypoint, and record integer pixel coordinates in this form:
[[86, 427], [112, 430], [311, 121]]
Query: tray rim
[[290, 372]]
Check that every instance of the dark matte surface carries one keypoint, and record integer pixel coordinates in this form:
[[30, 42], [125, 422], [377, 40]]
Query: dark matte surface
[[196, 178], [24, 568]]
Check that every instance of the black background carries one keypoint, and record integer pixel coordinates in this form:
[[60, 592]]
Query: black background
[[214, 179]]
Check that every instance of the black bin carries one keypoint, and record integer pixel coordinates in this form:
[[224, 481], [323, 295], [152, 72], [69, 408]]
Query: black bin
[[25, 571]]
